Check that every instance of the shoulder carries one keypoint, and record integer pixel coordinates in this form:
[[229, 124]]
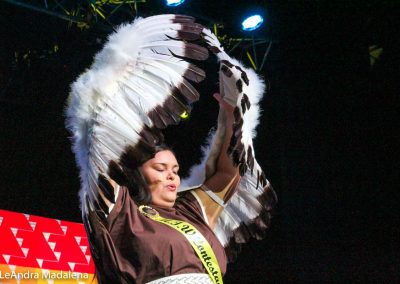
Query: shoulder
[[124, 208], [189, 203]]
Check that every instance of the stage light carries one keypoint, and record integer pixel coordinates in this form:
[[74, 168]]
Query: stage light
[[251, 23], [174, 2]]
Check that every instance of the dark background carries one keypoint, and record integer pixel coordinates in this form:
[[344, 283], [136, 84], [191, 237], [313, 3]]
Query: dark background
[[328, 139]]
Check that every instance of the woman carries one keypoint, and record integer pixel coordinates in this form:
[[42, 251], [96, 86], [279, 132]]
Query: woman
[[139, 231], [154, 250]]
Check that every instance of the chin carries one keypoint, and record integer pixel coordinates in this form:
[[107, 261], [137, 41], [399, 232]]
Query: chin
[[171, 199]]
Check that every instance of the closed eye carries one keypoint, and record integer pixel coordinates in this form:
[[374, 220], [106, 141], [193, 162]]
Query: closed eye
[[159, 169]]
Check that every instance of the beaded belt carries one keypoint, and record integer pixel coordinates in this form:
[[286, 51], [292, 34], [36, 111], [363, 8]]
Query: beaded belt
[[189, 278]]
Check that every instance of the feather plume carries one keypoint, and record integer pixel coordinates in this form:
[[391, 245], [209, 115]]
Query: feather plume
[[247, 212], [138, 83]]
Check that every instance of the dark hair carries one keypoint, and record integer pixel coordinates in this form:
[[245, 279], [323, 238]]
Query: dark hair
[[127, 171]]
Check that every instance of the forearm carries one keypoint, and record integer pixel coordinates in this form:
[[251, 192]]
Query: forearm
[[226, 172], [225, 163]]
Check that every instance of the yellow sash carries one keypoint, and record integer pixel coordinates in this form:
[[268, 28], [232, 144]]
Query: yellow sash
[[195, 238]]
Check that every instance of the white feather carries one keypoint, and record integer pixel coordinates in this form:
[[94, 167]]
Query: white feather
[[109, 104], [244, 206]]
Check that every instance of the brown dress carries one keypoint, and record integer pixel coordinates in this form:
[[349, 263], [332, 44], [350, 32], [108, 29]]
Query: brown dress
[[131, 248]]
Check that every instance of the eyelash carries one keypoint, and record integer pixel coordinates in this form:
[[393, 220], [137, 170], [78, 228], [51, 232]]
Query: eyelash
[[161, 170]]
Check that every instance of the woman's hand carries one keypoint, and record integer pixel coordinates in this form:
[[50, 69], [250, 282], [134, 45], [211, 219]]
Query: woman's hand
[[224, 104]]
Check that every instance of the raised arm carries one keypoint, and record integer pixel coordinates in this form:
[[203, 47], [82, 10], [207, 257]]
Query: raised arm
[[226, 176], [237, 198]]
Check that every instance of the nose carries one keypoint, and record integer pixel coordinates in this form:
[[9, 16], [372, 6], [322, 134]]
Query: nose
[[171, 175]]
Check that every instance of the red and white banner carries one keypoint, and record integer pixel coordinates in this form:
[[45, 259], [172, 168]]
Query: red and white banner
[[42, 250]]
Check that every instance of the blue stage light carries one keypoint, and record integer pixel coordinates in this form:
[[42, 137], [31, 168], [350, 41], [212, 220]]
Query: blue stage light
[[251, 23], [174, 2]]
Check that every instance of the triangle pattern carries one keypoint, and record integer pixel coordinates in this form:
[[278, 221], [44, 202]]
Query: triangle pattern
[[64, 229], [20, 240], [52, 245], [40, 262], [25, 251], [7, 257], [72, 265], [33, 225], [14, 231], [46, 236], [43, 243], [78, 240], [84, 249]]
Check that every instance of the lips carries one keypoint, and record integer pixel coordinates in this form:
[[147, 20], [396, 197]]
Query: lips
[[171, 187]]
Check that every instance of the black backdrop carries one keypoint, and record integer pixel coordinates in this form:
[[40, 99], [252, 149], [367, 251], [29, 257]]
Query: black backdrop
[[328, 138]]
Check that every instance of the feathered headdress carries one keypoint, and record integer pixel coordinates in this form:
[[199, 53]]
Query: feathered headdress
[[139, 84]]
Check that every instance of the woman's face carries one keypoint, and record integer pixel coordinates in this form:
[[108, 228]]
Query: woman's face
[[161, 175]]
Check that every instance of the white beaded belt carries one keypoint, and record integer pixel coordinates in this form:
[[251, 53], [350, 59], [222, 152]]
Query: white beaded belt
[[189, 278]]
